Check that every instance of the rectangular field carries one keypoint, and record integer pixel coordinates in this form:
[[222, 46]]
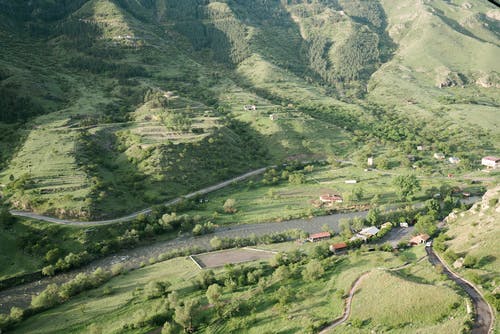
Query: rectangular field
[[230, 256]]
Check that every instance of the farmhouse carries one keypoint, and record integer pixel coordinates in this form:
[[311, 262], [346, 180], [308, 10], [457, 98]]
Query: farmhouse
[[419, 239], [329, 199], [319, 236], [454, 160], [249, 107], [439, 156], [369, 231], [338, 247], [491, 162]]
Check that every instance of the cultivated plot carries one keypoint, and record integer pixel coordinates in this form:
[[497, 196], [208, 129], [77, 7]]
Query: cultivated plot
[[231, 256]]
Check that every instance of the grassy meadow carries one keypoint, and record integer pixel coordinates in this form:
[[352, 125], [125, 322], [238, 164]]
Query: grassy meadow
[[123, 301]]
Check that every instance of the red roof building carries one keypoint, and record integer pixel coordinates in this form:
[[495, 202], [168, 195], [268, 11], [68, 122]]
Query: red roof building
[[319, 236], [419, 239], [491, 162], [335, 248]]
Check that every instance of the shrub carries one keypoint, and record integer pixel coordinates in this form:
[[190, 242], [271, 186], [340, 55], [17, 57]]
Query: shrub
[[313, 271], [470, 261], [230, 205]]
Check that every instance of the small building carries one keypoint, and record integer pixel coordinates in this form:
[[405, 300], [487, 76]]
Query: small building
[[351, 181], [386, 225], [491, 162], [273, 117], [420, 148], [369, 231], [439, 156], [329, 199], [369, 161], [249, 107], [419, 239], [403, 224], [454, 160], [338, 247], [319, 236]]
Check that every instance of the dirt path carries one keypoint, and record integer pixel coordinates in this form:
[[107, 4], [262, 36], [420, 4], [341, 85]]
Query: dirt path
[[347, 308], [483, 314], [144, 211]]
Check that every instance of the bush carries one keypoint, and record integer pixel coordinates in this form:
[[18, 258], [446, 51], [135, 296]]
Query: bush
[[230, 205], [313, 271], [47, 298], [470, 261]]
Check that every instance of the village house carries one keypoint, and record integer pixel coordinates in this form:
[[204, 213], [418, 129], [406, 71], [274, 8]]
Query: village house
[[330, 199], [319, 236], [454, 160], [369, 231], [419, 239], [249, 107], [338, 247], [365, 233], [491, 162], [439, 156]]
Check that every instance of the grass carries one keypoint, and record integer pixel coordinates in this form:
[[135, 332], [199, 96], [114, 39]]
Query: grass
[[389, 303], [315, 302], [475, 233], [257, 203]]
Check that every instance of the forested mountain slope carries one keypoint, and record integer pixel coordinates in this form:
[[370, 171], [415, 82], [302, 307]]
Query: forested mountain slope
[[110, 105]]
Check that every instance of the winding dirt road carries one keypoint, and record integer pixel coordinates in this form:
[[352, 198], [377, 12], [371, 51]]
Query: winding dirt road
[[483, 314]]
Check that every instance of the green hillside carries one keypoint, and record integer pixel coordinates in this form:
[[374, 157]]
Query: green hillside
[[110, 106]]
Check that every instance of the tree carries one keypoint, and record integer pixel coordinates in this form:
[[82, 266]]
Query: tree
[[214, 293], [357, 194], [313, 271], [184, 315], [281, 273], [167, 328], [373, 216], [345, 227], [230, 205], [297, 178], [47, 298], [216, 243], [407, 186], [426, 224], [206, 278]]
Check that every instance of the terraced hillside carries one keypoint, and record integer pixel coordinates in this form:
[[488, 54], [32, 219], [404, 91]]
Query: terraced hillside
[[112, 105]]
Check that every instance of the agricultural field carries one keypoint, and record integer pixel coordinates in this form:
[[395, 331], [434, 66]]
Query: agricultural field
[[257, 202], [231, 256]]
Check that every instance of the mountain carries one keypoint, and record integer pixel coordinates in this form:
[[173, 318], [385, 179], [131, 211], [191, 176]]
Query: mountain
[[112, 105]]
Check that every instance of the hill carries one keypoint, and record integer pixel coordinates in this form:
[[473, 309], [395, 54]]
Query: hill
[[110, 106], [472, 245]]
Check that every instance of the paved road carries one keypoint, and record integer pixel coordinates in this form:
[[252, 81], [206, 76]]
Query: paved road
[[144, 211], [483, 314]]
